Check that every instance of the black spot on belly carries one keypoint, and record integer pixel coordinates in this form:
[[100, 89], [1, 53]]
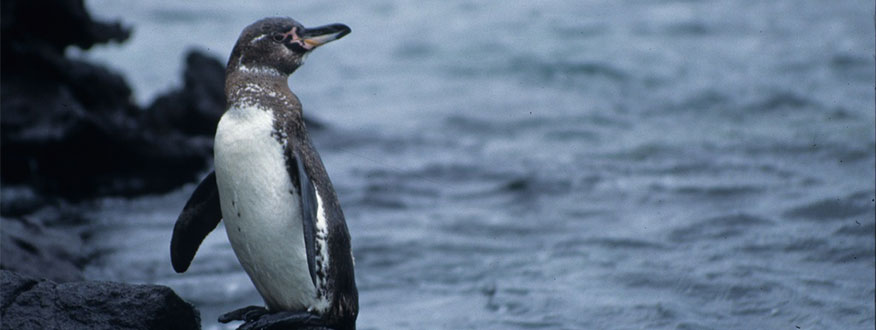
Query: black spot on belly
[[238, 229], [238, 214]]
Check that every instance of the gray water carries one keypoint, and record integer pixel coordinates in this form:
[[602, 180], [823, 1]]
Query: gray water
[[556, 165]]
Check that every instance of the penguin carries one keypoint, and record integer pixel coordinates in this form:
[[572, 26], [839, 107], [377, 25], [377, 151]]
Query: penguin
[[269, 185]]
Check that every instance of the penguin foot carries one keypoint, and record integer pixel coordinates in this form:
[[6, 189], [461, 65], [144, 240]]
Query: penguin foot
[[259, 318], [245, 314]]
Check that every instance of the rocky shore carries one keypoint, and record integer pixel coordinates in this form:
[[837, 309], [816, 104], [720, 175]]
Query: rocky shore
[[33, 303], [70, 132], [70, 128]]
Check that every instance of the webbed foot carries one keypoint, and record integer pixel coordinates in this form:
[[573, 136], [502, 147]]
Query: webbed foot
[[259, 318], [245, 314]]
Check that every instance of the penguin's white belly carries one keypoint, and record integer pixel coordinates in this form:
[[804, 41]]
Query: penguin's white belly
[[261, 209]]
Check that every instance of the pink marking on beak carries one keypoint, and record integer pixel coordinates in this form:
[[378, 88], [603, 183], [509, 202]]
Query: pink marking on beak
[[293, 34]]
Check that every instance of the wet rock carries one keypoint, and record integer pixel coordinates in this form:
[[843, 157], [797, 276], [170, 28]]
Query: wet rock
[[195, 109], [70, 24], [30, 248], [19, 200], [70, 128], [31, 303]]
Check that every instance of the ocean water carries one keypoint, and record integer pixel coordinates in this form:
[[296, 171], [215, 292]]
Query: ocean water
[[555, 164]]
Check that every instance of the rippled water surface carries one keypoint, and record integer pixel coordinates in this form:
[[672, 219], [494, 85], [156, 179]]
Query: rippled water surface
[[556, 165]]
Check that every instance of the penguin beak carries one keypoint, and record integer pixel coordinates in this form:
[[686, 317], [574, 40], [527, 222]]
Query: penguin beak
[[318, 36]]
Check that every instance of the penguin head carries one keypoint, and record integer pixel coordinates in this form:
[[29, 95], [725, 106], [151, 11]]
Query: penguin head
[[279, 44]]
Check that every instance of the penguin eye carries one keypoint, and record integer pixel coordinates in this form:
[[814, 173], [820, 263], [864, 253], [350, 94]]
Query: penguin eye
[[278, 37]]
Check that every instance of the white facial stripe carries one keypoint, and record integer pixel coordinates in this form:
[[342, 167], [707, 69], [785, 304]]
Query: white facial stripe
[[258, 38]]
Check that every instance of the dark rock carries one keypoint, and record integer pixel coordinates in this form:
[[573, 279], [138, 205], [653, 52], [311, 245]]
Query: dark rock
[[195, 109], [19, 200], [30, 303], [65, 150], [50, 141], [70, 127], [57, 23], [30, 248]]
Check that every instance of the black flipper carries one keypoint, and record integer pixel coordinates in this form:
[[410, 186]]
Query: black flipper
[[198, 218], [295, 167]]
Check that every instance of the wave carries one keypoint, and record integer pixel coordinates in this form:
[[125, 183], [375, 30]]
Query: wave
[[832, 209], [720, 227]]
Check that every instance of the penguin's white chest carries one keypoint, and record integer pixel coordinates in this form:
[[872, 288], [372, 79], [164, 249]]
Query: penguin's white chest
[[261, 208]]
